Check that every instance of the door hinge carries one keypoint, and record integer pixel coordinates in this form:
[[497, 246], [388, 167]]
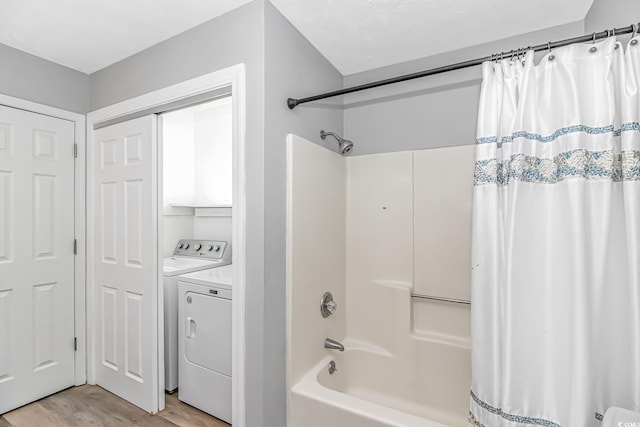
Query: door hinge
[[75, 344], [75, 150], [75, 246]]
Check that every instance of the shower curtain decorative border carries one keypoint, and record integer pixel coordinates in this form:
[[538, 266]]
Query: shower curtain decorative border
[[473, 421], [579, 163], [509, 417], [626, 127]]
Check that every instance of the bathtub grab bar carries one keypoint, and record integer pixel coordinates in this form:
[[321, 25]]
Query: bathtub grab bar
[[432, 297]]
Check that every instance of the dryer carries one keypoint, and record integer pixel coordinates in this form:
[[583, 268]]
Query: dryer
[[204, 335], [189, 255]]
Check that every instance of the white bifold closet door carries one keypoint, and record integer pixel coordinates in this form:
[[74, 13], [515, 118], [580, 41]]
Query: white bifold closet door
[[36, 256], [125, 260]]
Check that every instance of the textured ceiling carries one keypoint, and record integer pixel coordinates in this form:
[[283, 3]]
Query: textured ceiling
[[88, 35], [359, 35], [355, 35]]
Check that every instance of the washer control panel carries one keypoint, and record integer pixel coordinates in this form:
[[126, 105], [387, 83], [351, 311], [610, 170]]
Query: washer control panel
[[209, 249]]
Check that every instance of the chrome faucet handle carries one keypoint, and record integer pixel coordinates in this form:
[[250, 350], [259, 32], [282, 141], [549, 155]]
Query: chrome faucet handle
[[327, 305], [331, 306]]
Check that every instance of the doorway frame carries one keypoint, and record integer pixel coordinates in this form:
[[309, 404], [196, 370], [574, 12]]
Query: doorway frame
[[233, 76], [79, 124]]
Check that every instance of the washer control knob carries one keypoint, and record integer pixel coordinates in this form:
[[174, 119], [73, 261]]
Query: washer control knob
[[217, 248], [197, 247], [210, 248], [186, 246], [181, 245]]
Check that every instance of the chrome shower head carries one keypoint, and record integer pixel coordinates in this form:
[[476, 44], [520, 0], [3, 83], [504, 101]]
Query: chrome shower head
[[344, 145]]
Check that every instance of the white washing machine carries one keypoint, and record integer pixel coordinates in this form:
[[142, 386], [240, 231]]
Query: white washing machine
[[205, 341], [188, 256]]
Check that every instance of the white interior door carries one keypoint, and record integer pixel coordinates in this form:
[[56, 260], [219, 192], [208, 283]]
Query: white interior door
[[36, 256], [125, 260]]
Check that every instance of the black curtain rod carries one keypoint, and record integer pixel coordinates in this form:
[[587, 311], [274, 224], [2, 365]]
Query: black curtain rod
[[293, 103]]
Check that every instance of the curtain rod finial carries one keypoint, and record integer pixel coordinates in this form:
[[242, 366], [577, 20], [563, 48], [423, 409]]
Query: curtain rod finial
[[292, 103]]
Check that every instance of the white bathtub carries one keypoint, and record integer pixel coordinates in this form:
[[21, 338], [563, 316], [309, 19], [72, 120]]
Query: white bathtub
[[376, 389]]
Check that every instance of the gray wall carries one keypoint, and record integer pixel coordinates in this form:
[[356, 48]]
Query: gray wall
[[606, 14], [437, 111], [35, 79], [214, 45], [293, 68], [274, 52], [441, 110]]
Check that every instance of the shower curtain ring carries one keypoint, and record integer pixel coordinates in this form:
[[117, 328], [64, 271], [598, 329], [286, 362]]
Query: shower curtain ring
[[613, 33], [594, 37], [549, 47], [635, 30]]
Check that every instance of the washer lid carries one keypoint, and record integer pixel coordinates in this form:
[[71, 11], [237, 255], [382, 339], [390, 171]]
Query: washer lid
[[220, 277]]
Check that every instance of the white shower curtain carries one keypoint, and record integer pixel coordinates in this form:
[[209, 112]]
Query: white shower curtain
[[556, 238]]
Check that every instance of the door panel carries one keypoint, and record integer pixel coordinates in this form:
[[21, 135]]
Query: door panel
[[36, 256], [5, 329], [6, 207], [125, 260]]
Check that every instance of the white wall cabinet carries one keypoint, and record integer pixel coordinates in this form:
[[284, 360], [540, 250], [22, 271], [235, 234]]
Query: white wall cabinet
[[197, 157]]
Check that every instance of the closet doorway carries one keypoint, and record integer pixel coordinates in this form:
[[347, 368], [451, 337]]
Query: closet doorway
[[125, 221]]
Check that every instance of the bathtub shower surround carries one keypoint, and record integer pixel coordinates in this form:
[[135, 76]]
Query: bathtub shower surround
[[374, 231], [316, 257], [556, 238]]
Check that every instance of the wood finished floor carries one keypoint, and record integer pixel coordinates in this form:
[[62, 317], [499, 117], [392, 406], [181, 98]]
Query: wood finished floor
[[92, 406]]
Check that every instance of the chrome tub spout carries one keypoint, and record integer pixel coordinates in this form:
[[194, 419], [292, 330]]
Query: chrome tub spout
[[333, 344]]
